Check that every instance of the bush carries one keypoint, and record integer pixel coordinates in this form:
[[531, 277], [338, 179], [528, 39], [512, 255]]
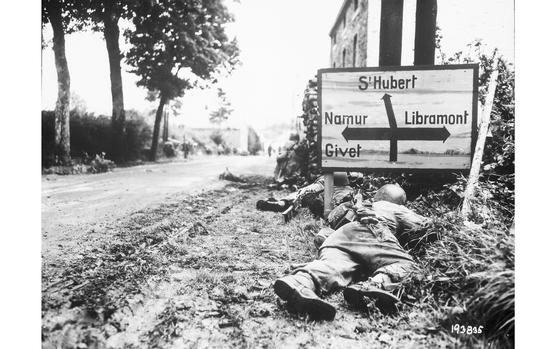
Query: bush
[[217, 138], [99, 164], [91, 135], [169, 150], [47, 139], [467, 274], [470, 269], [138, 135], [498, 170]]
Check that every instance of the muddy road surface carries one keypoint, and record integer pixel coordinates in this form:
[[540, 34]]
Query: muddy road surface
[[75, 205], [191, 267]]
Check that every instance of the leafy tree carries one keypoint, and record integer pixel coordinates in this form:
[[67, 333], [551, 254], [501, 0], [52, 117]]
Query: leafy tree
[[224, 111], [105, 15], [179, 45], [77, 103], [61, 14]]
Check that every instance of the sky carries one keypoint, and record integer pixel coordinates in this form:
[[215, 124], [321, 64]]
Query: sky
[[282, 44]]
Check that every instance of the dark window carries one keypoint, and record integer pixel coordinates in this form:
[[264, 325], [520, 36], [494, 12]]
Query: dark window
[[355, 5], [343, 58], [354, 51]]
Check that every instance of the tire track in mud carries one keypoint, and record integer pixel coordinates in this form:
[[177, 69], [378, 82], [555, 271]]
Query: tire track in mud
[[111, 296], [197, 273]]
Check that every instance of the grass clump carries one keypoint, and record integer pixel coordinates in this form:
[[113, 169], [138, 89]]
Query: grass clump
[[467, 274]]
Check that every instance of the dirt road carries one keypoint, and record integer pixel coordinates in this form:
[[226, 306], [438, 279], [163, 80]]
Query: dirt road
[[75, 205], [192, 271]]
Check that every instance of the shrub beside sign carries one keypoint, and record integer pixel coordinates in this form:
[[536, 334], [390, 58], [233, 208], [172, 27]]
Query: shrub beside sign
[[400, 118]]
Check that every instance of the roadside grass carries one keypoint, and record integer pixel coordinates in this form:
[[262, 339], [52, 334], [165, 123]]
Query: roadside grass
[[159, 282]]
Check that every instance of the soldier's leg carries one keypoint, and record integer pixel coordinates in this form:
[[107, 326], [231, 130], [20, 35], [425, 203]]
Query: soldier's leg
[[347, 253], [391, 276], [341, 259], [334, 269], [379, 287], [322, 235]]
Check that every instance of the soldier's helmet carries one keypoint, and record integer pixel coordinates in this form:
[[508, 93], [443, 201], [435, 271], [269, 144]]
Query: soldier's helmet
[[392, 193], [340, 179]]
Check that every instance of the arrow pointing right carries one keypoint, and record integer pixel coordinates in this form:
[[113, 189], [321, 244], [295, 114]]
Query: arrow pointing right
[[423, 134], [401, 134]]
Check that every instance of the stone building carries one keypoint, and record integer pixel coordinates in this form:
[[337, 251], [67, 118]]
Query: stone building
[[349, 35], [402, 30]]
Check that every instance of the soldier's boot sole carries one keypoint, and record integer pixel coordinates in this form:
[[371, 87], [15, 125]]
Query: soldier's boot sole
[[317, 308], [385, 301]]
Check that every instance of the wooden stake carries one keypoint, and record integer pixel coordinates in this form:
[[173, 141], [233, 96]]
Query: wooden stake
[[329, 190], [481, 140]]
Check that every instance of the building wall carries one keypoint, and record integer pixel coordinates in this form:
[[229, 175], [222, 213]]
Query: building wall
[[232, 136], [366, 21], [351, 23]]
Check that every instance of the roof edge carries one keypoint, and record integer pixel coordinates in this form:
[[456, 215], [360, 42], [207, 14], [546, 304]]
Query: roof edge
[[339, 16]]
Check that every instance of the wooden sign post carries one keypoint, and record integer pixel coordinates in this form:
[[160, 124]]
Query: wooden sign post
[[329, 189]]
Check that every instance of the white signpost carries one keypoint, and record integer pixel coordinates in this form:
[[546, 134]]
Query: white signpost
[[416, 118]]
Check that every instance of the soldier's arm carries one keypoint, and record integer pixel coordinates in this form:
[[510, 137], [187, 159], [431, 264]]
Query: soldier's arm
[[410, 223]]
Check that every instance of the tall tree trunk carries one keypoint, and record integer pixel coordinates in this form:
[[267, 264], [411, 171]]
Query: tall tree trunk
[[111, 33], [165, 124], [62, 110], [157, 126]]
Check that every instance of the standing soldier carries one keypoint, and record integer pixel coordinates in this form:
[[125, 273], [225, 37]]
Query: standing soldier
[[185, 148]]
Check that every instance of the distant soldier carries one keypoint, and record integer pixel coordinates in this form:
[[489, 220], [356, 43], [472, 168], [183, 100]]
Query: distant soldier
[[289, 162], [269, 150], [185, 148], [368, 247]]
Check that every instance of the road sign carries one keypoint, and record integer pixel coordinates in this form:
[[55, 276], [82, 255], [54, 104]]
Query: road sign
[[399, 118]]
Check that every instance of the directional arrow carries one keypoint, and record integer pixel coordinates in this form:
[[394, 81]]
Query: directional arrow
[[393, 133], [393, 124], [389, 108], [401, 134]]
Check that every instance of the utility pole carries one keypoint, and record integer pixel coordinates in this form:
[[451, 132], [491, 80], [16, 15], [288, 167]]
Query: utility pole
[[425, 38]]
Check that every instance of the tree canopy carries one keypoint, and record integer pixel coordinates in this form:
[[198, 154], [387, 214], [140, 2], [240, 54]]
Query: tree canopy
[[178, 45], [171, 35], [223, 112]]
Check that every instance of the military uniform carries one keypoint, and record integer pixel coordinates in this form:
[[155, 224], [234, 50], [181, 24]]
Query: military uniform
[[356, 251]]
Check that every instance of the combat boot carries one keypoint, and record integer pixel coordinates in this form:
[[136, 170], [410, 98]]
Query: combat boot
[[272, 205], [356, 295], [297, 290]]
